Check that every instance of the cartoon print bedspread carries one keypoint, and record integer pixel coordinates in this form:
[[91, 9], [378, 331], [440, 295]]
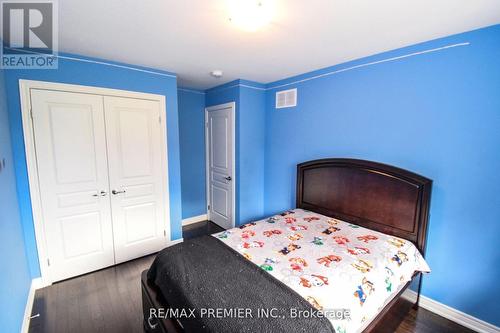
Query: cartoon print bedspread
[[332, 264]]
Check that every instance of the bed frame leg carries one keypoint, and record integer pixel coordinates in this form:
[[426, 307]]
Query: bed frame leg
[[415, 306]]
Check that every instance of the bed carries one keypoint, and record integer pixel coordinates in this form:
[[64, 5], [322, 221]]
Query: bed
[[351, 247]]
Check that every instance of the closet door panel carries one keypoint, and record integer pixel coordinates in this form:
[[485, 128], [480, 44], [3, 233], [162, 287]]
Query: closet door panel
[[70, 145], [135, 173]]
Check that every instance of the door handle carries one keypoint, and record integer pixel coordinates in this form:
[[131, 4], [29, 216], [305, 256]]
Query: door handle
[[115, 192], [100, 194], [228, 178]]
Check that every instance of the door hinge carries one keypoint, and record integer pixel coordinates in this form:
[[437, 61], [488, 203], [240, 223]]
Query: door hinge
[[31, 113], [164, 233], [208, 207], [159, 120], [48, 262]]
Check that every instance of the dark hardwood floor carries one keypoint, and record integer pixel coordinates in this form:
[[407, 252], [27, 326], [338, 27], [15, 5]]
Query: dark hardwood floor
[[200, 229], [109, 300]]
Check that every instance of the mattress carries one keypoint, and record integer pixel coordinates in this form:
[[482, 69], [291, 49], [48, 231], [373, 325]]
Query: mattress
[[348, 272]]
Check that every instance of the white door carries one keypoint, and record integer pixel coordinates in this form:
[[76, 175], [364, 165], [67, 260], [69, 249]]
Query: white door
[[220, 166], [70, 143], [135, 156]]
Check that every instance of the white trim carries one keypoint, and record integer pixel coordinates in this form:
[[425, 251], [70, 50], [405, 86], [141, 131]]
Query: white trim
[[207, 166], [35, 284], [450, 313], [268, 86], [194, 219], [368, 64], [175, 241], [231, 105], [75, 88], [99, 63], [251, 87], [24, 91], [191, 91], [164, 158], [218, 89]]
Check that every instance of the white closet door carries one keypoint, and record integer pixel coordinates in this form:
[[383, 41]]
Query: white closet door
[[135, 174], [70, 144]]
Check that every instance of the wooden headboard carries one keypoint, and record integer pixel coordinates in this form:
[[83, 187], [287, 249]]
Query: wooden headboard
[[373, 195]]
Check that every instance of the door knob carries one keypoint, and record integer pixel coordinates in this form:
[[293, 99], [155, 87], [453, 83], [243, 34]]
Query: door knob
[[228, 178], [115, 192]]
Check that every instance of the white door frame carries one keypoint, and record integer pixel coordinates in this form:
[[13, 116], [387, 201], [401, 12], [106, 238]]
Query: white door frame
[[34, 187], [232, 105]]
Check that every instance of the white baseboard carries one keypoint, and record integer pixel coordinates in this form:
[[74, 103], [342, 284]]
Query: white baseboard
[[175, 241], [35, 284], [452, 314], [194, 219]]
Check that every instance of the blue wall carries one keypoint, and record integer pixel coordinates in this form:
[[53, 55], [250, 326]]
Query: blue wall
[[107, 75], [15, 276], [192, 151], [251, 151], [250, 143], [437, 114]]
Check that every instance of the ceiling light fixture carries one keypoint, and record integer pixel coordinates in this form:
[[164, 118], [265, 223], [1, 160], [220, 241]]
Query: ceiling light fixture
[[250, 15]]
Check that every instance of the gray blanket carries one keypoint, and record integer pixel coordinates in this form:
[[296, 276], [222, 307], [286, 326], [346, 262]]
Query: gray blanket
[[203, 274]]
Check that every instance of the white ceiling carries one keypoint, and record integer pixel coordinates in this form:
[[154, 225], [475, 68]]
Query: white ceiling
[[193, 37]]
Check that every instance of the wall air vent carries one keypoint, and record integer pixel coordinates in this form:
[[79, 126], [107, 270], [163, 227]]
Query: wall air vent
[[286, 98]]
